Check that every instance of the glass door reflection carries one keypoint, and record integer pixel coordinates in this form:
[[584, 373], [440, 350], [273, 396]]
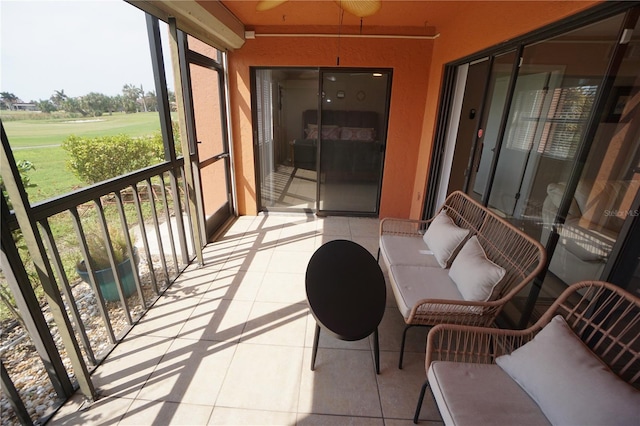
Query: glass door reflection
[[352, 140]]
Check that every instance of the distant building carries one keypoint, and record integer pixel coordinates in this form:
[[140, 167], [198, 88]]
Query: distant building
[[22, 106]]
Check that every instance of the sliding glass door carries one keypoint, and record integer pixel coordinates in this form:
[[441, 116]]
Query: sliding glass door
[[352, 140], [319, 139], [284, 152], [557, 151], [490, 127]]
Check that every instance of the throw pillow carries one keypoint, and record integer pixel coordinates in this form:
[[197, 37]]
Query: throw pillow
[[329, 132], [570, 384], [444, 238], [357, 134], [475, 276]]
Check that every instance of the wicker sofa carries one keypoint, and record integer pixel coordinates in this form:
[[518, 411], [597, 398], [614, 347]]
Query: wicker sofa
[[461, 272], [579, 364]]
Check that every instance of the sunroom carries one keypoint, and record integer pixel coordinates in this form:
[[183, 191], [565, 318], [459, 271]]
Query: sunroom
[[531, 108]]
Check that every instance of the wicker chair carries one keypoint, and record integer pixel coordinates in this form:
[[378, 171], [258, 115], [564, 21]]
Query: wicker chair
[[521, 256], [605, 317]]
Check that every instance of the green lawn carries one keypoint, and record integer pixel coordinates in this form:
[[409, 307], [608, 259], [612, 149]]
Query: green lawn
[[39, 142], [30, 133]]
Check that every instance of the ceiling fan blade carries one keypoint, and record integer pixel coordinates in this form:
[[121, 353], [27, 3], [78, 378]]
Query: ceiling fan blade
[[268, 4], [360, 8]]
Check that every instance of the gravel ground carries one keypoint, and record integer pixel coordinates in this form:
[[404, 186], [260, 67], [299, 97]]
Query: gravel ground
[[23, 364]]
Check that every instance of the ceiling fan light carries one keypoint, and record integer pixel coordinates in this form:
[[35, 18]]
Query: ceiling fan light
[[360, 8], [268, 4]]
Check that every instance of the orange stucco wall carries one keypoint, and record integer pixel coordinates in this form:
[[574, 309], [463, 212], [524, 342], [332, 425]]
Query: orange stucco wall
[[417, 67], [410, 60], [483, 24]]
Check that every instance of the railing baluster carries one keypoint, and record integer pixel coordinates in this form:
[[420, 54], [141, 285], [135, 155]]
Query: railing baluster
[[14, 397], [188, 210], [112, 260], [145, 240], [167, 217], [156, 225], [177, 208], [66, 289], [77, 225], [130, 248]]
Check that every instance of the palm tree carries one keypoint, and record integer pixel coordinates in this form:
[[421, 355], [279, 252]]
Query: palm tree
[[58, 98], [130, 95], [8, 99]]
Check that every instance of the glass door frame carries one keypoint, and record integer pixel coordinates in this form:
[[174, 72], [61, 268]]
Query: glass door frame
[[383, 124], [257, 160]]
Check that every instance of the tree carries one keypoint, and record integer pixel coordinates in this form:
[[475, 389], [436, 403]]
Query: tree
[[45, 105], [8, 99], [130, 95], [96, 103], [59, 98], [143, 98], [172, 100], [151, 101], [74, 105], [117, 103]]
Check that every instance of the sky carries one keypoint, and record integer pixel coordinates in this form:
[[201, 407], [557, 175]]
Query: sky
[[77, 46]]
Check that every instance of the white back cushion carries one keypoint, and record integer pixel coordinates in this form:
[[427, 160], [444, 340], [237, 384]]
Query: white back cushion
[[474, 274], [444, 238], [570, 384]]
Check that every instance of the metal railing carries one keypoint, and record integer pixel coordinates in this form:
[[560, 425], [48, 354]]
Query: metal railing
[[146, 212]]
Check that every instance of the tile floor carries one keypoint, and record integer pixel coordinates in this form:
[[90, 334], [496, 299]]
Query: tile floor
[[295, 188], [230, 344]]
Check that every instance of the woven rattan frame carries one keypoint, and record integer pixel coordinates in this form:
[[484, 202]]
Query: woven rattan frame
[[605, 317], [521, 256]]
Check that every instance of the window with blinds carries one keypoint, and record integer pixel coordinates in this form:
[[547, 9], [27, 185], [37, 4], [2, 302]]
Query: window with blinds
[[264, 106], [560, 127]]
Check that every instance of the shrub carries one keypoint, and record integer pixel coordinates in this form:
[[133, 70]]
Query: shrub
[[97, 159], [24, 167], [158, 144], [98, 249]]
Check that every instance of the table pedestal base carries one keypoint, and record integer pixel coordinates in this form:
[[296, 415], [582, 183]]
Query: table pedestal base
[[376, 348]]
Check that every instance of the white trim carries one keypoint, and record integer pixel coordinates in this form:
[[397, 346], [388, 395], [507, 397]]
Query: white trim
[[387, 36], [452, 133]]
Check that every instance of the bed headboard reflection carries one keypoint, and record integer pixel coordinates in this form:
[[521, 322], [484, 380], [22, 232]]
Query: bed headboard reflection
[[347, 121]]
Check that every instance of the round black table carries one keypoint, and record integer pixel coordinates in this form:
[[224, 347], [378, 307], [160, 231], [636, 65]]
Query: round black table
[[346, 293]]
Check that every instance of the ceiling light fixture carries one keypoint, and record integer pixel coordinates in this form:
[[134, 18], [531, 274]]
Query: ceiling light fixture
[[359, 8], [268, 4]]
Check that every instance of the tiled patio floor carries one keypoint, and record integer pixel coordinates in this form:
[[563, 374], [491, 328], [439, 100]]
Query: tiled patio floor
[[230, 343]]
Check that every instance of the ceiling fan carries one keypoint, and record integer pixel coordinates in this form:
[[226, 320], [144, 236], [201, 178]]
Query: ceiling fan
[[359, 8]]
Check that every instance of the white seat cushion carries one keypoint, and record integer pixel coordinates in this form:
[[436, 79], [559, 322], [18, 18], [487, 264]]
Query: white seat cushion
[[399, 250], [411, 284], [480, 394]]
